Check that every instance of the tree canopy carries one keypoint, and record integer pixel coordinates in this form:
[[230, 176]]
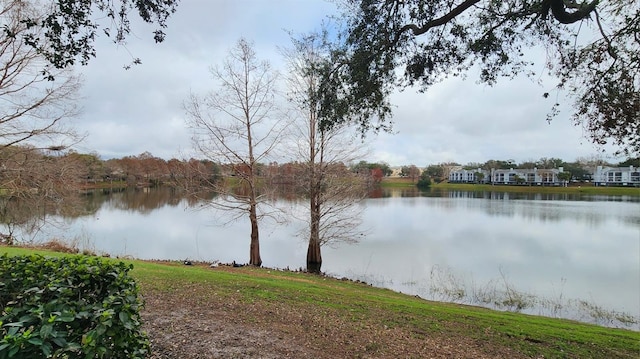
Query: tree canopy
[[65, 32], [591, 46], [33, 110]]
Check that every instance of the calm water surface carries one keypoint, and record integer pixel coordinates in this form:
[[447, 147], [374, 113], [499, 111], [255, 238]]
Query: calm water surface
[[554, 248]]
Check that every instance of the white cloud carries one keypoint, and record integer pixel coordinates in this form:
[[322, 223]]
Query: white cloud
[[129, 112]]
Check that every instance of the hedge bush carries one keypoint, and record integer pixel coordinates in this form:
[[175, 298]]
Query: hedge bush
[[69, 307]]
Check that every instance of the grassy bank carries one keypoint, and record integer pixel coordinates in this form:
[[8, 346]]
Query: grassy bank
[[397, 182], [589, 190], [263, 294]]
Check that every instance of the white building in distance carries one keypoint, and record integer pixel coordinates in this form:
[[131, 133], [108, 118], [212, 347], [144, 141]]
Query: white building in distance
[[522, 176], [617, 176]]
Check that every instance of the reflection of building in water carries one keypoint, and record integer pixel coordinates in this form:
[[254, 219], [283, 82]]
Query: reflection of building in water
[[617, 176], [506, 196], [535, 176]]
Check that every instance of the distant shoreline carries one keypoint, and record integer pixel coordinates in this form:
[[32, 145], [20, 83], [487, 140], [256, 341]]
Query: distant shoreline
[[398, 182], [572, 189]]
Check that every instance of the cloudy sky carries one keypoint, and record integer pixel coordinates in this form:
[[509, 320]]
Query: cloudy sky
[[127, 112]]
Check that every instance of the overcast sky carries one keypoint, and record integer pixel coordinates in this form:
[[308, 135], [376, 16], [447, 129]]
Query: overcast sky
[[127, 112]]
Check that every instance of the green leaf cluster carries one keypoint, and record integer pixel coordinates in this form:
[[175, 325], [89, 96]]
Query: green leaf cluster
[[424, 181], [398, 44], [69, 307]]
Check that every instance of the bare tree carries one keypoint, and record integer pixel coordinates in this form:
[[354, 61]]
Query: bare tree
[[411, 172], [36, 185], [235, 125], [35, 179], [333, 191], [32, 106]]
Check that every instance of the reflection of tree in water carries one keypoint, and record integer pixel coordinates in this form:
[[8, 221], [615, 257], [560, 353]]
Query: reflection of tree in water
[[550, 211], [552, 207], [631, 219], [16, 214], [141, 200], [531, 206], [400, 192], [28, 215], [36, 188]]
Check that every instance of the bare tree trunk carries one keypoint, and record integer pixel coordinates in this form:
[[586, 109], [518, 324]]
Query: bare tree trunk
[[254, 251], [314, 254]]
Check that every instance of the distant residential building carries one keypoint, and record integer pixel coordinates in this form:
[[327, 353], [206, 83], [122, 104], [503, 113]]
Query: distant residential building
[[617, 176], [460, 175], [395, 171], [535, 176]]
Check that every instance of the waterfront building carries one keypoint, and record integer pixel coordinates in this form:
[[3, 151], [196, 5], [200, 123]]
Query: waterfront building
[[511, 176], [617, 176], [460, 175]]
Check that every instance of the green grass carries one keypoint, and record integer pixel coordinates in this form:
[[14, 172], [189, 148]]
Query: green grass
[[533, 335], [397, 182], [586, 189], [590, 190]]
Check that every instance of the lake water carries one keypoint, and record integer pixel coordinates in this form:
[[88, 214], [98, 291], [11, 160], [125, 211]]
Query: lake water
[[575, 257]]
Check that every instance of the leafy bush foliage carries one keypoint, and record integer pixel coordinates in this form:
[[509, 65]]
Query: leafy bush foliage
[[424, 181], [69, 307]]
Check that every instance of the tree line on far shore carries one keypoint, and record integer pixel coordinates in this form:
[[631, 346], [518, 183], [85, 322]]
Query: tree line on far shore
[[25, 167]]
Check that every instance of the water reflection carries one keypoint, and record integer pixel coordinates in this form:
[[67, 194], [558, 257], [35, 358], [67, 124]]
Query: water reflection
[[591, 247], [541, 244], [142, 200], [497, 195], [534, 206]]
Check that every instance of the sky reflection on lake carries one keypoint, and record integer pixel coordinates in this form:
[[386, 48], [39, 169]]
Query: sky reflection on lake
[[587, 250], [582, 250]]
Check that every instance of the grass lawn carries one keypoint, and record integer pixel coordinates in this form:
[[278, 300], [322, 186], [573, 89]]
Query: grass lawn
[[397, 182], [585, 189], [352, 305]]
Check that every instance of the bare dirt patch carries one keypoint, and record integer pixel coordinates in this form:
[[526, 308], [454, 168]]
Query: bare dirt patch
[[185, 324]]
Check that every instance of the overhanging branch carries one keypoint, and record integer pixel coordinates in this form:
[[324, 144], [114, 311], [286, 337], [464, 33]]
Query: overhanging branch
[[559, 10], [419, 30]]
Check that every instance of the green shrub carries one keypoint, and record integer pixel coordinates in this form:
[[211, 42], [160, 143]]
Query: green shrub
[[424, 181], [69, 307]]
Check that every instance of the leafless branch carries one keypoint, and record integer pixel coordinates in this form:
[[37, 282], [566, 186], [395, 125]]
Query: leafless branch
[[236, 127]]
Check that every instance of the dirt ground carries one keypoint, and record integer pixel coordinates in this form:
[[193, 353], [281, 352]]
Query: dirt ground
[[184, 325]]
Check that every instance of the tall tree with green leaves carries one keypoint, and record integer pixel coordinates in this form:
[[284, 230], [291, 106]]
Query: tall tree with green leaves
[[591, 49], [332, 189], [565, 177]]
